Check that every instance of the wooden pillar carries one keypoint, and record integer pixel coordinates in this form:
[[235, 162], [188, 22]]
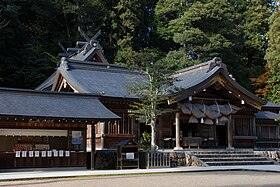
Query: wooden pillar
[[229, 133], [254, 128], [102, 132], [177, 138], [90, 146], [93, 147]]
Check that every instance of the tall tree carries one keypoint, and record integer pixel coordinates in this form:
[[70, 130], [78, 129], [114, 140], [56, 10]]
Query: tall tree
[[200, 30], [273, 57], [256, 21], [149, 91]]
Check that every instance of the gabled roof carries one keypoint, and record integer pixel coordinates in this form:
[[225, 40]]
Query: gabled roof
[[47, 84], [30, 103], [194, 79], [107, 80]]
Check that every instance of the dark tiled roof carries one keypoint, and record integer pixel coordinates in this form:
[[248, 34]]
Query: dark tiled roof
[[267, 115], [192, 76], [16, 102], [197, 76], [108, 80], [271, 105], [47, 84]]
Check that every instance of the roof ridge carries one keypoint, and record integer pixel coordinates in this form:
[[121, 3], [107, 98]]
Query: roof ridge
[[101, 67], [49, 93]]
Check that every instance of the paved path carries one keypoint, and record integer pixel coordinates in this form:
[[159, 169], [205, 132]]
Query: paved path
[[197, 179], [72, 172]]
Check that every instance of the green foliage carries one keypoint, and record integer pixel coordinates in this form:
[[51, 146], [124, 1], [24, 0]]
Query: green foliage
[[174, 33], [203, 29], [273, 57], [145, 140], [255, 21]]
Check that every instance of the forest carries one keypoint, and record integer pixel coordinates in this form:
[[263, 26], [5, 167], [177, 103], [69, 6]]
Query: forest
[[176, 33]]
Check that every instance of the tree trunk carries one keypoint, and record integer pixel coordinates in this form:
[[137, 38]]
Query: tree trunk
[[153, 136]]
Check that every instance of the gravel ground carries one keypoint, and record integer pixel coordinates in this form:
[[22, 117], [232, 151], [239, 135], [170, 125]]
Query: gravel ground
[[225, 178]]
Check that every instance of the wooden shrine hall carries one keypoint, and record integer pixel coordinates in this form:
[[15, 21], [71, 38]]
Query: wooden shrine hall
[[85, 106], [48, 129], [213, 110]]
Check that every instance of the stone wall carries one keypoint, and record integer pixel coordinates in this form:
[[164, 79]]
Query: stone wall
[[106, 159]]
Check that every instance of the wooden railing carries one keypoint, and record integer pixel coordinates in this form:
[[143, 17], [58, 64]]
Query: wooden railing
[[158, 160]]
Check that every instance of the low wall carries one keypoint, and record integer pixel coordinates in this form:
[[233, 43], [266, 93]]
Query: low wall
[[106, 159]]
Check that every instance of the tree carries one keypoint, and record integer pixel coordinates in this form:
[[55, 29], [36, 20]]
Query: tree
[[201, 30], [150, 92], [256, 22], [272, 57]]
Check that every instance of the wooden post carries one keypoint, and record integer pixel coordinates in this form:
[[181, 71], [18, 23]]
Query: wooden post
[[229, 133], [102, 132], [90, 146], [177, 138], [254, 130], [93, 147]]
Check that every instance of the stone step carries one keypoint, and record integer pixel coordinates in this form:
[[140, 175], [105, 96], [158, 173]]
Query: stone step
[[221, 152], [227, 163], [233, 159], [224, 155]]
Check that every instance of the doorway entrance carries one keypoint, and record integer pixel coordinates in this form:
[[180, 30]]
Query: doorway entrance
[[221, 135]]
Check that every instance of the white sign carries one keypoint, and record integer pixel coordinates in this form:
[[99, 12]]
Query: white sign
[[49, 153], [44, 153], [23, 153], [129, 156], [67, 153], [31, 153], [55, 153], [37, 153], [60, 153], [17, 154]]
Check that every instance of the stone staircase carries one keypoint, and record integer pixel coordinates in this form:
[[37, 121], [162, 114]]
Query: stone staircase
[[231, 157]]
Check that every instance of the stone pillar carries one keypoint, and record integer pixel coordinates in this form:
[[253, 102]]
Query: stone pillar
[[229, 133], [177, 138]]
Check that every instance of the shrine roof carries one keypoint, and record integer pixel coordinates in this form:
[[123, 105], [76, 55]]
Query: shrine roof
[[30, 103], [107, 80]]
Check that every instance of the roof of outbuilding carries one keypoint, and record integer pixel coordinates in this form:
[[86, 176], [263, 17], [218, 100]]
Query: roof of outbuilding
[[107, 80], [270, 105], [30, 103], [267, 115]]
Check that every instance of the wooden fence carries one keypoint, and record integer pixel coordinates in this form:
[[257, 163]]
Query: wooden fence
[[158, 160]]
